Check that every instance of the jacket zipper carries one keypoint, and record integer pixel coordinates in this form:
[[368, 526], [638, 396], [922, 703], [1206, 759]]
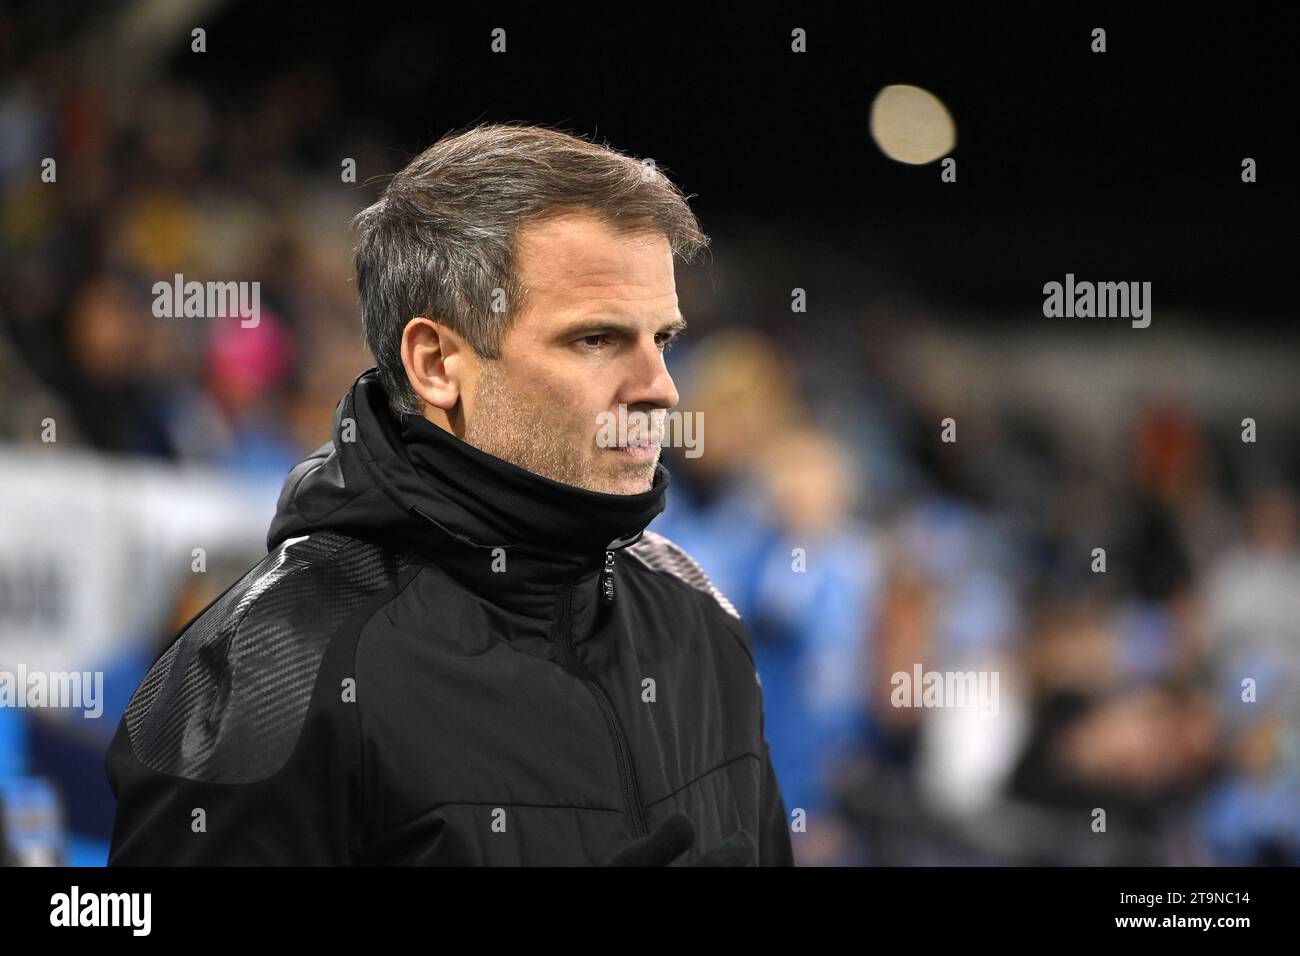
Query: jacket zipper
[[607, 579], [622, 753]]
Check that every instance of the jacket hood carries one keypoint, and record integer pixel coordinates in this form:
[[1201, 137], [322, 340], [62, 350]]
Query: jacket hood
[[412, 484]]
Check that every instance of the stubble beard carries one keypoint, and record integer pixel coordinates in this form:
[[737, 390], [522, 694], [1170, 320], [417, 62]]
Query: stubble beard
[[533, 436]]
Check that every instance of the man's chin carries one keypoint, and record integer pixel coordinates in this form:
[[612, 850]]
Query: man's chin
[[620, 486], [628, 481], [602, 474], [638, 487]]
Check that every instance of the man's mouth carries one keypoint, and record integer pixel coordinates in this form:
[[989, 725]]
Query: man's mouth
[[639, 451]]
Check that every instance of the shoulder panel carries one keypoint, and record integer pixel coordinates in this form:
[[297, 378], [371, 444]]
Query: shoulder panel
[[226, 702], [661, 554]]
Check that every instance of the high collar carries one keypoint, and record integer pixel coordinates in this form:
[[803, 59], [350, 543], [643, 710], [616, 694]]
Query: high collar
[[506, 533]]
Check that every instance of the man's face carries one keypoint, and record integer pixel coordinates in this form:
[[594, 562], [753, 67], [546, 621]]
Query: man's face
[[601, 307]]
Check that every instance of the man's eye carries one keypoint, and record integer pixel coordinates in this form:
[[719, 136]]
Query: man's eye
[[664, 340]]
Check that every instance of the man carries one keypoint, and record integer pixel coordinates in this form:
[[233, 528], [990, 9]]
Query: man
[[463, 646]]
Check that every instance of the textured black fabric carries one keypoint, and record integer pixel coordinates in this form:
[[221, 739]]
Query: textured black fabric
[[660, 554], [227, 701], [444, 659]]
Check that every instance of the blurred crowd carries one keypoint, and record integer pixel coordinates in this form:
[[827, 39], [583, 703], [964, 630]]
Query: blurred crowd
[[1142, 614], [853, 540], [175, 182]]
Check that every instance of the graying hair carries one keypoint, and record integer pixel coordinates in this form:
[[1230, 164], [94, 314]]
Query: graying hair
[[441, 240]]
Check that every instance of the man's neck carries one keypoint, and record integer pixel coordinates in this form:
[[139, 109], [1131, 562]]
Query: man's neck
[[454, 423]]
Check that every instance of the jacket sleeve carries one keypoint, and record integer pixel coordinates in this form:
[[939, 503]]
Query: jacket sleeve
[[239, 747], [774, 846], [166, 819]]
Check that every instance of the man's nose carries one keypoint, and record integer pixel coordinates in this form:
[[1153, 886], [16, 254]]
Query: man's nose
[[648, 383]]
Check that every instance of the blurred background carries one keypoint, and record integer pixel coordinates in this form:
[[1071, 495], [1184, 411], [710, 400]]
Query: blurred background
[[854, 541]]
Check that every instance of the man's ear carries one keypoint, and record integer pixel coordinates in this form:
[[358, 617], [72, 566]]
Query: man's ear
[[434, 357]]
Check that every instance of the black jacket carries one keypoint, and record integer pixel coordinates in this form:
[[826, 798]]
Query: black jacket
[[446, 659]]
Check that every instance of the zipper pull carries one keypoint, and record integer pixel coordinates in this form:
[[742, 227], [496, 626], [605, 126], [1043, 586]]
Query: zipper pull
[[607, 579]]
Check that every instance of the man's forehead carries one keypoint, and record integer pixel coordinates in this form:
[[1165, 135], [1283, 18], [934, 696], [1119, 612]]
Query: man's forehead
[[576, 252]]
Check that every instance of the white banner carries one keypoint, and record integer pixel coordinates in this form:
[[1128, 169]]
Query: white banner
[[93, 548]]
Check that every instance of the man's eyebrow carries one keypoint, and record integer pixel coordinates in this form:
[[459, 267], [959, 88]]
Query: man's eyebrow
[[604, 326]]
